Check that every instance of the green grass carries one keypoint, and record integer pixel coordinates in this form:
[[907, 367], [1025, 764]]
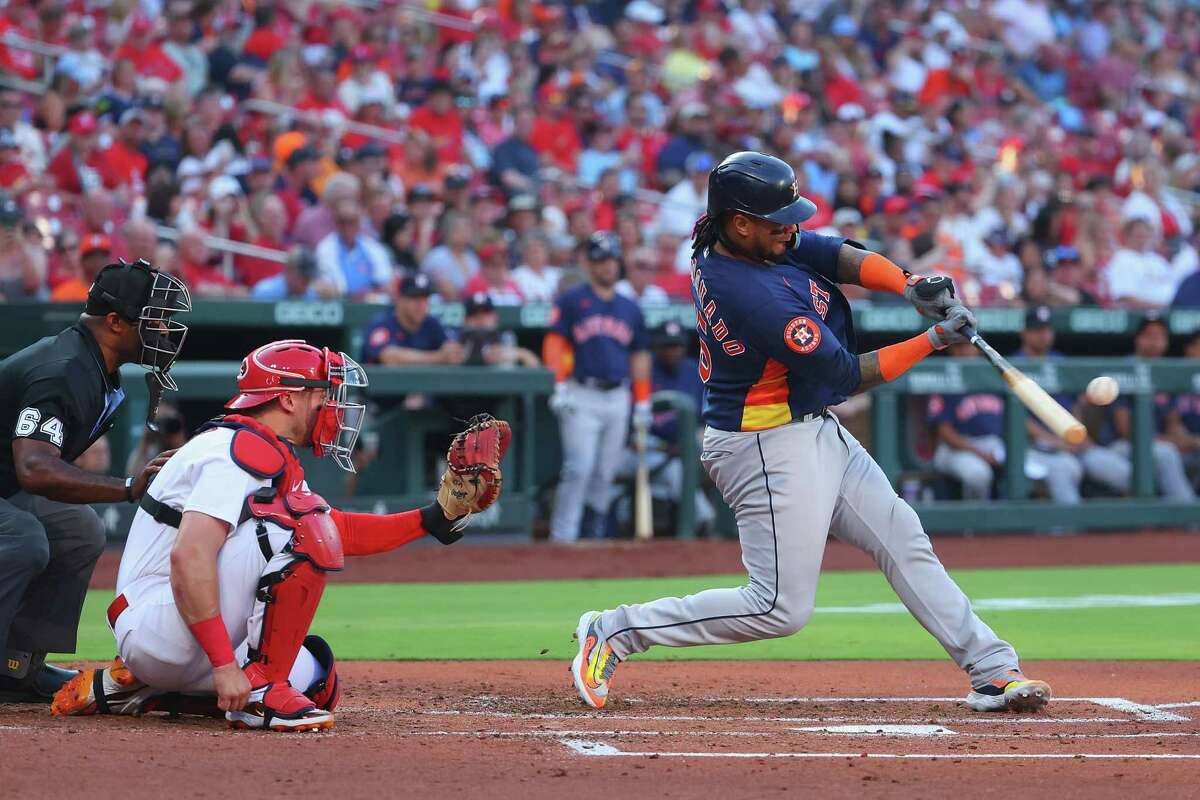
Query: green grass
[[535, 619]]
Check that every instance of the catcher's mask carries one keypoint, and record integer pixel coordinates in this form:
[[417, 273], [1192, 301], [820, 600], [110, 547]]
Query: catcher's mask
[[293, 365], [149, 298]]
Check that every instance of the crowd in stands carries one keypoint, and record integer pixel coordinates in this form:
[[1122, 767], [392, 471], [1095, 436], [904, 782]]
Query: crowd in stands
[[1040, 152]]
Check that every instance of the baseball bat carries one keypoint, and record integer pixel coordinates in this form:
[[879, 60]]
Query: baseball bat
[[643, 523], [1035, 398]]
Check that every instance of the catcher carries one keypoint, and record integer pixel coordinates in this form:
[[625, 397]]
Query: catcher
[[229, 553]]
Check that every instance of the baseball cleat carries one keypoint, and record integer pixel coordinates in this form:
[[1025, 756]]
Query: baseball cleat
[[112, 690], [1011, 692], [279, 708], [594, 664]]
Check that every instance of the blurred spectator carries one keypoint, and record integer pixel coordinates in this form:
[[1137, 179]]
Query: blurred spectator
[[494, 279], [536, 279], [95, 250], [441, 121], [691, 136], [1138, 276], [638, 283], [397, 236], [141, 240], [298, 280], [172, 434], [515, 163], [483, 343], [15, 179], [33, 149], [687, 200], [22, 263], [970, 444], [203, 277], [452, 264], [316, 222], [191, 59], [366, 83], [77, 168], [1150, 342], [406, 333], [269, 218], [357, 265]]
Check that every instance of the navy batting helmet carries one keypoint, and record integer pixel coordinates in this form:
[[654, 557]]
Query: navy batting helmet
[[758, 185]]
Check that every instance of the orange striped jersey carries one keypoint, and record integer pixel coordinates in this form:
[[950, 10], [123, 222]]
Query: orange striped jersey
[[776, 342]]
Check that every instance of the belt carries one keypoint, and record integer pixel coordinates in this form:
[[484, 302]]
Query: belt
[[161, 512], [115, 609], [810, 417], [602, 385]]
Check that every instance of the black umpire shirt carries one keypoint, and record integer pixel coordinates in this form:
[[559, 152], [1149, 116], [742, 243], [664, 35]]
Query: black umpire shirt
[[55, 391]]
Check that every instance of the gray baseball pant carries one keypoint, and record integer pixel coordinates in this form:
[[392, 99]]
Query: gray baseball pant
[[790, 487], [593, 432]]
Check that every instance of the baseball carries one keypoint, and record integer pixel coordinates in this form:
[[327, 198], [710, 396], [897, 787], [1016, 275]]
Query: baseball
[[1102, 390]]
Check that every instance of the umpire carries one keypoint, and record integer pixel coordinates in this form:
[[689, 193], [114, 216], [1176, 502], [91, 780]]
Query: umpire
[[57, 396]]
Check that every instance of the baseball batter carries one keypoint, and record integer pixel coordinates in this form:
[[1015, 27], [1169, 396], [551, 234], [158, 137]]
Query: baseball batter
[[777, 347], [228, 555]]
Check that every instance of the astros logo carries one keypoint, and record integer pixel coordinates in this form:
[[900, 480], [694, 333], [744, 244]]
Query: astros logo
[[802, 335]]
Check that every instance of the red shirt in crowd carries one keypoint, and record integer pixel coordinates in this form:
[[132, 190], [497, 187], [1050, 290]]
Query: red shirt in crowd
[[66, 174], [557, 141], [11, 173], [15, 59], [201, 278], [250, 270], [263, 43], [150, 62], [125, 167], [446, 130]]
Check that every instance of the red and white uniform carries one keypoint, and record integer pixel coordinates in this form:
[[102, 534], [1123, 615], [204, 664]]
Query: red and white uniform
[[152, 637]]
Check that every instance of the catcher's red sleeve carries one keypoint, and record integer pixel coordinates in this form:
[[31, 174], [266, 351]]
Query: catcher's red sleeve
[[368, 534]]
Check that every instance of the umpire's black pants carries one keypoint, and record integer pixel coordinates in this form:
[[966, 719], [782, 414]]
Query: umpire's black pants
[[47, 553]]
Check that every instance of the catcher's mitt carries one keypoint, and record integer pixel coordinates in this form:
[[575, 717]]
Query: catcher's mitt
[[472, 479]]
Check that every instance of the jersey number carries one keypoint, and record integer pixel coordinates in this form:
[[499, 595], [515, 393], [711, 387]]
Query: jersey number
[[27, 423], [705, 362]]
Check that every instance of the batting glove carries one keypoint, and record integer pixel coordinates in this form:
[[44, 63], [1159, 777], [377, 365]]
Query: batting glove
[[561, 401], [949, 330], [931, 295]]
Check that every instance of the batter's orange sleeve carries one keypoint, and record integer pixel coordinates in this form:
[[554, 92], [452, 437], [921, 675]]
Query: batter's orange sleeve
[[368, 534], [558, 355], [897, 359], [880, 275]]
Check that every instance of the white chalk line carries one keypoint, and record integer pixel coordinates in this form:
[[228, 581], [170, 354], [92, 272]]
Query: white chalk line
[[591, 748], [1192, 704], [563, 734], [1168, 600], [981, 720]]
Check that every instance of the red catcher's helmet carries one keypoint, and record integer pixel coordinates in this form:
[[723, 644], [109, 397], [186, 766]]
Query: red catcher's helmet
[[293, 365]]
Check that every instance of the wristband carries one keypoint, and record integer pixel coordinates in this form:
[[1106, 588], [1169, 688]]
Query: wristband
[[641, 390], [129, 489], [214, 640]]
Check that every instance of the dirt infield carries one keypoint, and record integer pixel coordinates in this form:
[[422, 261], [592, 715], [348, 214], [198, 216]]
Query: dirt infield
[[424, 562], [690, 729]]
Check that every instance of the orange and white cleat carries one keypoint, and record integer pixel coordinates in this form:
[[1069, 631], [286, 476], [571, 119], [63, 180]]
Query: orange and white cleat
[[112, 690], [1010, 692], [594, 664]]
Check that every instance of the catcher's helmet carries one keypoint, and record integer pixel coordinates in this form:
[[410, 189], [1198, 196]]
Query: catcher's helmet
[[293, 365], [758, 185]]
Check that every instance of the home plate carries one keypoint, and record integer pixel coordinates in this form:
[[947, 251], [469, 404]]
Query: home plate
[[881, 730]]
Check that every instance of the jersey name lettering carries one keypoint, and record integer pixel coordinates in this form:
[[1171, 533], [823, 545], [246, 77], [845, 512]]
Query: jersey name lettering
[[603, 325]]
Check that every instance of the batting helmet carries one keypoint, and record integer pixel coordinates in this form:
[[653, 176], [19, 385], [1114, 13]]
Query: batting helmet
[[758, 185]]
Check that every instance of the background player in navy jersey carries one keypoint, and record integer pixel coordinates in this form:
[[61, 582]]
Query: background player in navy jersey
[[970, 433], [777, 348], [598, 349], [1184, 426], [672, 370], [406, 333]]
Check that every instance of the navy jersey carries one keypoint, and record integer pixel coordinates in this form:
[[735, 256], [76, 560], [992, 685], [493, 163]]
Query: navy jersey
[[1188, 407], [1163, 403], [776, 342], [969, 414], [602, 332], [686, 379], [385, 331]]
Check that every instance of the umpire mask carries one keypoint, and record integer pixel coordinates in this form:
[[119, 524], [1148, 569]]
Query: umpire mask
[[149, 298]]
